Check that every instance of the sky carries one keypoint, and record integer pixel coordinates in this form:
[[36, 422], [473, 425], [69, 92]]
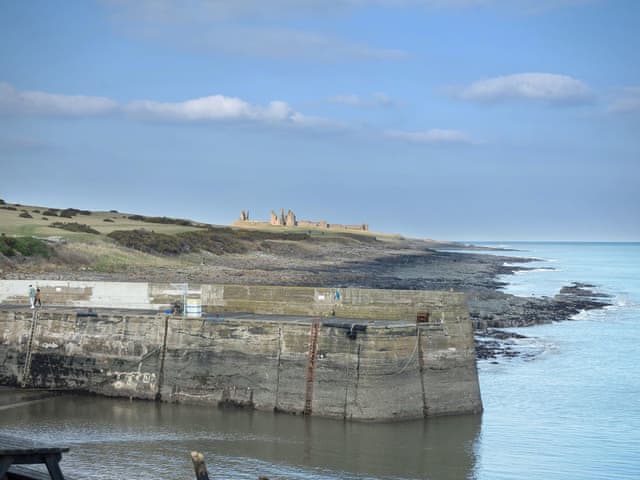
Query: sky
[[445, 119]]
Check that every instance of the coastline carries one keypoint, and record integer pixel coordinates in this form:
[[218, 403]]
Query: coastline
[[407, 264]]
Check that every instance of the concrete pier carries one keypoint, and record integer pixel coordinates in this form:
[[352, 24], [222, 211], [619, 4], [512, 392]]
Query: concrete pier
[[363, 367]]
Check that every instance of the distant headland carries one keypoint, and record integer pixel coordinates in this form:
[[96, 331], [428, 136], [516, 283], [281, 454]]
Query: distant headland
[[290, 220]]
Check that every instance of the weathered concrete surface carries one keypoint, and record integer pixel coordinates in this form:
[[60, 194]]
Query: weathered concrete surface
[[82, 293], [259, 299], [111, 355], [393, 370]]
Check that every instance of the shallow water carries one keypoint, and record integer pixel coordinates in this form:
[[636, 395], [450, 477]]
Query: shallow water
[[571, 412], [114, 438]]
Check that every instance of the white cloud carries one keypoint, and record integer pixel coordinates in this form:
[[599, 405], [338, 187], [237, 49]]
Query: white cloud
[[547, 87], [433, 136], [219, 108], [374, 100], [628, 101], [16, 102], [213, 108], [209, 109]]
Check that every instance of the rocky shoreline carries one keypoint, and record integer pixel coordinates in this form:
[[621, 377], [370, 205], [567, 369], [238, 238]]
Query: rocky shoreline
[[352, 262]]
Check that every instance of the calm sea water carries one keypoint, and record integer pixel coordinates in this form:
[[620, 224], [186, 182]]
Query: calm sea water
[[573, 411], [570, 412]]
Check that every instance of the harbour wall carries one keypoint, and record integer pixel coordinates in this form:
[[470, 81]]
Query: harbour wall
[[361, 303], [381, 369]]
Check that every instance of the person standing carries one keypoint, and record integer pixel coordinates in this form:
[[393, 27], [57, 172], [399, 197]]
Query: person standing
[[38, 300], [32, 296]]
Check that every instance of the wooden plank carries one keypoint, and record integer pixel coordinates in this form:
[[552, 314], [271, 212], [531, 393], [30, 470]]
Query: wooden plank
[[17, 446]]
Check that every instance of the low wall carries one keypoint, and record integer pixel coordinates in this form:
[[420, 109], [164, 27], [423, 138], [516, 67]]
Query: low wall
[[391, 370], [308, 301]]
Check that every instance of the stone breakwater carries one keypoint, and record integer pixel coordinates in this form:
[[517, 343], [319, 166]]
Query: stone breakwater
[[339, 367]]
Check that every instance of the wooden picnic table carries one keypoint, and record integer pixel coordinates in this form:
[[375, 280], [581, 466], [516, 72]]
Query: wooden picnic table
[[18, 452]]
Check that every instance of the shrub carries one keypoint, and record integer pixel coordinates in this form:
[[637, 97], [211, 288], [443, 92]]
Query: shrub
[[2, 202], [149, 242], [9, 207], [25, 215], [45, 218], [66, 214], [214, 242], [76, 227], [217, 240], [164, 244], [75, 211], [36, 211], [113, 211], [26, 246], [163, 220], [107, 220], [50, 212]]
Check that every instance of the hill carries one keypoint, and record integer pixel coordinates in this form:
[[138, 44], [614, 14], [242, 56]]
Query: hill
[[72, 243]]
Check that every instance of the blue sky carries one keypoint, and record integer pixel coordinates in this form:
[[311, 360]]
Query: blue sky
[[448, 119]]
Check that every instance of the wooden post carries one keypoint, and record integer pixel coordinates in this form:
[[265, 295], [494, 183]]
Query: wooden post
[[199, 466]]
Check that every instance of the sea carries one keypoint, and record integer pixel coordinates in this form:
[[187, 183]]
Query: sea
[[569, 409]]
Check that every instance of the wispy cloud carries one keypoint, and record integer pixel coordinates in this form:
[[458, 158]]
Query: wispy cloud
[[430, 137], [245, 27], [547, 87], [266, 29], [525, 6], [282, 43], [213, 108], [627, 101], [208, 109], [219, 108], [25, 102], [218, 10], [360, 101]]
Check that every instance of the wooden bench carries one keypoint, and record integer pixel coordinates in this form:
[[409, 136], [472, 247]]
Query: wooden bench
[[17, 453]]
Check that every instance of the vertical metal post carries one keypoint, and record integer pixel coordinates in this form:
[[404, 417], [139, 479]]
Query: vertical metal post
[[311, 365], [184, 299]]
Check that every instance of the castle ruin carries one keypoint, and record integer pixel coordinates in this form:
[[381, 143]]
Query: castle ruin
[[290, 220]]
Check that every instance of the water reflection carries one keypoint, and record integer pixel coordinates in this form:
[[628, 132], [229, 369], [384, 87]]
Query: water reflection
[[117, 438]]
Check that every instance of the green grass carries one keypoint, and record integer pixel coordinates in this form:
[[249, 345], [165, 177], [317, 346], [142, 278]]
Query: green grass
[[157, 236], [75, 227], [26, 246], [111, 263]]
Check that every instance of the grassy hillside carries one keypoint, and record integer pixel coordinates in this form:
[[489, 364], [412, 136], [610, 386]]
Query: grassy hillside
[[113, 242], [42, 218]]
